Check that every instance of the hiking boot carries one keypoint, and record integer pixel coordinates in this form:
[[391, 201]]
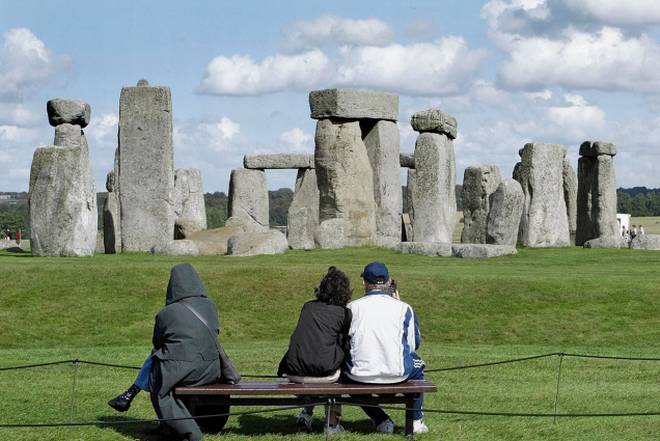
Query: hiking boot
[[334, 430], [304, 422], [122, 402], [386, 426], [419, 426]]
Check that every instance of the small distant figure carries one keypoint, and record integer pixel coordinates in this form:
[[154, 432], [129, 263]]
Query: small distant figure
[[17, 237], [641, 230], [633, 232], [5, 236]]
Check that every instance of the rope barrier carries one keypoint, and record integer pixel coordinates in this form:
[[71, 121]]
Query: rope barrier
[[492, 363], [609, 357]]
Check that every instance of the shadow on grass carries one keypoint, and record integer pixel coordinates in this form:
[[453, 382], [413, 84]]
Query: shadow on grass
[[16, 252], [286, 425], [135, 431]]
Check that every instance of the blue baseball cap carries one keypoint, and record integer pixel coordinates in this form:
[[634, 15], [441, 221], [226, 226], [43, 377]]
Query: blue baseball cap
[[375, 272]]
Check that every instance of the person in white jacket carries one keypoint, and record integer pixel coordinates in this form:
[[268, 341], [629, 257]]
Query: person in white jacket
[[383, 336]]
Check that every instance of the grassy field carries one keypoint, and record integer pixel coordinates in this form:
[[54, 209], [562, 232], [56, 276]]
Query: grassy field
[[539, 301], [651, 224]]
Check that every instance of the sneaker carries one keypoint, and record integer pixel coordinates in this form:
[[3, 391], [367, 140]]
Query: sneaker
[[334, 430], [121, 403], [304, 422], [386, 426], [419, 426]]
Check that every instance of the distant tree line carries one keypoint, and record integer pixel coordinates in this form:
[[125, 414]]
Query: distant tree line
[[639, 201]]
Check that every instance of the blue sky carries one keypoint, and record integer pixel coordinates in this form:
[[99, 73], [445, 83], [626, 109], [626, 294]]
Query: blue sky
[[511, 71]]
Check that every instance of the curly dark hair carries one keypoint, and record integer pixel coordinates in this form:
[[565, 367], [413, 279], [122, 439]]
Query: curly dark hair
[[335, 288]]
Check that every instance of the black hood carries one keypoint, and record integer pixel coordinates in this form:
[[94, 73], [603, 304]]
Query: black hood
[[184, 282]]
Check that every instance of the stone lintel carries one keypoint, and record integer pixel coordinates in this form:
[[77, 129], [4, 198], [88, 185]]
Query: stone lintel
[[353, 104], [278, 161]]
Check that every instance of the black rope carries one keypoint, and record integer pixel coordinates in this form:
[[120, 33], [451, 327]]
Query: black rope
[[98, 363], [493, 363], [609, 357], [28, 366], [155, 420]]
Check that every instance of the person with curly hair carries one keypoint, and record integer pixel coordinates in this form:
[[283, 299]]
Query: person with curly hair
[[319, 343]]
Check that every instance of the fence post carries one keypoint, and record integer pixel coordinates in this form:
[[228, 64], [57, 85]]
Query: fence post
[[72, 409], [561, 359]]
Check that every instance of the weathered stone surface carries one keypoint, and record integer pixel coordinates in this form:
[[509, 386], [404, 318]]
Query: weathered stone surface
[[145, 164], [303, 215], [593, 149], [248, 198], [6, 244], [646, 242], [506, 207], [177, 248], [411, 185], [214, 242], [69, 135], [425, 248], [596, 199], [382, 143], [435, 121], [62, 201], [607, 242], [353, 104], [111, 217], [189, 207], [278, 161], [434, 196], [480, 251], [347, 208], [479, 183], [570, 197], [407, 160], [544, 222], [62, 111], [267, 242]]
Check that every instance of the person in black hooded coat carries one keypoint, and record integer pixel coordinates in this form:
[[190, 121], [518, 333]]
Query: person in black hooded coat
[[185, 351]]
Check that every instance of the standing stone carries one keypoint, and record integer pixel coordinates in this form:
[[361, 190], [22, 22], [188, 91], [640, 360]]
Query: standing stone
[[69, 135], [411, 186], [146, 171], [407, 160], [434, 198], [62, 199], [506, 207], [111, 217], [570, 197], [347, 208], [303, 215], [596, 199], [382, 143], [544, 222], [189, 207], [248, 199], [479, 183]]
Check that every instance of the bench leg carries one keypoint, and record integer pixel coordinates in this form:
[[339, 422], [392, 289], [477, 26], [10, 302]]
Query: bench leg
[[410, 403]]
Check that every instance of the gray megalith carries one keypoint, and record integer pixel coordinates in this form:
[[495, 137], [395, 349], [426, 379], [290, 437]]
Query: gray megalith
[[278, 161], [303, 214], [479, 183], [189, 207], [111, 217], [62, 111], [353, 104], [248, 199], [506, 207], [570, 197]]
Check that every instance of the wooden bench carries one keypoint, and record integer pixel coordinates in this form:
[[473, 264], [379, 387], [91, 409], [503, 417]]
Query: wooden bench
[[218, 398]]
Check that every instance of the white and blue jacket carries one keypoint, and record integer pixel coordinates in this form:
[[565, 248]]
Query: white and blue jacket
[[383, 335]]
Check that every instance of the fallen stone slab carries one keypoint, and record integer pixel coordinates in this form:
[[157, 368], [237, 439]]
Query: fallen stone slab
[[62, 111], [593, 149], [607, 242], [353, 104], [6, 244], [177, 248], [214, 242], [434, 121], [253, 244], [278, 161], [425, 248], [480, 251], [646, 242], [407, 160]]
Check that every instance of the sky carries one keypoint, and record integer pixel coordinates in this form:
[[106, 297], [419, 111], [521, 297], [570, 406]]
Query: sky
[[510, 71]]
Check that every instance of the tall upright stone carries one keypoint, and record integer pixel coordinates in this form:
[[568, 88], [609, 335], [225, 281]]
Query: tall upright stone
[[434, 198], [596, 199], [146, 167], [411, 185], [544, 221], [479, 183], [570, 197], [347, 208], [506, 206], [62, 194], [382, 142], [303, 214], [189, 207], [111, 217], [248, 199]]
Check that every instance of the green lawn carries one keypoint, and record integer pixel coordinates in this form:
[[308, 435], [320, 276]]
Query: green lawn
[[471, 311]]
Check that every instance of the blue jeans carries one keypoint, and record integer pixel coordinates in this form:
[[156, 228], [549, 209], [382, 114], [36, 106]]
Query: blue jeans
[[142, 379]]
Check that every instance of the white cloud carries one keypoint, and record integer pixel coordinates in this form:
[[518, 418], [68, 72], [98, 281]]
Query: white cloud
[[17, 115], [330, 30], [437, 68], [25, 62], [297, 140], [617, 12]]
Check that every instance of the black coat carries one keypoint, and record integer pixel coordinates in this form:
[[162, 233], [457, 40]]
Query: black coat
[[185, 352], [319, 342]]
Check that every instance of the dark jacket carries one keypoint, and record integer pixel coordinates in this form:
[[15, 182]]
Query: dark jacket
[[318, 344], [185, 352]]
